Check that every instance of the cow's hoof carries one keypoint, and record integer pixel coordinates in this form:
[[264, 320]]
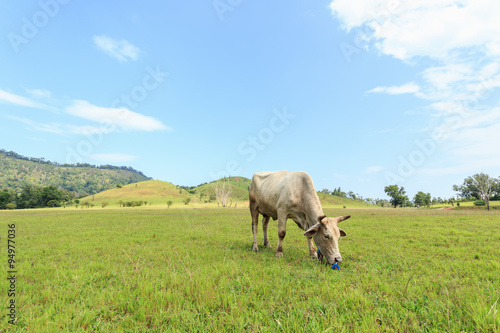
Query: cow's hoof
[[278, 254], [255, 248], [267, 244]]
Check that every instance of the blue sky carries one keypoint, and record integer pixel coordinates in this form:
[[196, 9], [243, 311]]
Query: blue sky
[[360, 94]]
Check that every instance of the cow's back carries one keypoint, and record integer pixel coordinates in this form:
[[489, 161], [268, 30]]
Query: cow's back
[[286, 189]]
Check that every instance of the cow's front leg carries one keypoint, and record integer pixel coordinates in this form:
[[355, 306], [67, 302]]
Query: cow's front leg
[[281, 236], [312, 249]]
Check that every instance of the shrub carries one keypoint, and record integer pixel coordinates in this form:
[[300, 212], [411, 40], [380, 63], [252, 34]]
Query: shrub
[[53, 203], [104, 204], [479, 203], [11, 206]]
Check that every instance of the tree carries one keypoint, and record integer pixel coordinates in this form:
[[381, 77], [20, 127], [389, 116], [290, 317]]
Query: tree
[[480, 186], [53, 203], [338, 192], [5, 198], [169, 203], [223, 191], [397, 195], [422, 199], [186, 200], [51, 196]]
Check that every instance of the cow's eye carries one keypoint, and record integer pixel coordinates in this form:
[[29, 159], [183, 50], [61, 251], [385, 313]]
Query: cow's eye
[[327, 236]]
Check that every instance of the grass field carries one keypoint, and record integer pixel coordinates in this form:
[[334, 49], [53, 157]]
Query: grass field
[[192, 270]]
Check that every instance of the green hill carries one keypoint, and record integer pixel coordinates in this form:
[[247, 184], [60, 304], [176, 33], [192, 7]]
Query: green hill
[[158, 193], [333, 201], [239, 187], [17, 171], [154, 192]]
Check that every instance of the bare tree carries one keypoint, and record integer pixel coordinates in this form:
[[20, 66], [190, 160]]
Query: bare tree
[[223, 191]]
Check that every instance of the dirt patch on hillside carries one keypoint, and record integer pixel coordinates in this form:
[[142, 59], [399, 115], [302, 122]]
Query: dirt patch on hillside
[[447, 208]]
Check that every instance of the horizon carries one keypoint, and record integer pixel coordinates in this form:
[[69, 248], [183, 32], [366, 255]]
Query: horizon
[[359, 94], [346, 191]]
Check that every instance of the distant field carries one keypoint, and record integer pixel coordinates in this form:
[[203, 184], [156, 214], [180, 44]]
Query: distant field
[[493, 204], [192, 270]]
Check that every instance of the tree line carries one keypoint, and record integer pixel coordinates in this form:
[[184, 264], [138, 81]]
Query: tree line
[[42, 160], [480, 187], [355, 196], [35, 197]]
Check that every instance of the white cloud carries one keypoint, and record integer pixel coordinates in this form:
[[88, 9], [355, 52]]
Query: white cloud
[[112, 118], [340, 176], [7, 97], [349, 13], [53, 128], [39, 93], [408, 88], [57, 128], [373, 169], [458, 44], [432, 28], [112, 157], [119, 49]]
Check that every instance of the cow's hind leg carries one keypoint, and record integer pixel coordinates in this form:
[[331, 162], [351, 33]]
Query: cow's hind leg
[[255, 223], [265, 225], [281, 235]]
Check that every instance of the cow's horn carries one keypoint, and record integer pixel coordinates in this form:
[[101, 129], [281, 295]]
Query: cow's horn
[[343, 218], [321, 218]]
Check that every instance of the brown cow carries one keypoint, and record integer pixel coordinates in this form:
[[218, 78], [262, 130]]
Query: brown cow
[[286, 195]]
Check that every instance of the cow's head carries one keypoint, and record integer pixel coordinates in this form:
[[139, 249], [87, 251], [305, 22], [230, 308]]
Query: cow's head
[[326, 235]]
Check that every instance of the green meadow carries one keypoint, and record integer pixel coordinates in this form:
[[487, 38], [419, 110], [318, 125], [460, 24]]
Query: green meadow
[[192, 270]]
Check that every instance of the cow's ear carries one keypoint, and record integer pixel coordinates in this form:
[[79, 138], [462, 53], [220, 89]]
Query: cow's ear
[[342, 233], [312, 230]]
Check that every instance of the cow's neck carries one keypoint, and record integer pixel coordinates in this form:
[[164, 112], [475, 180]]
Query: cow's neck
[[313, 210]]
